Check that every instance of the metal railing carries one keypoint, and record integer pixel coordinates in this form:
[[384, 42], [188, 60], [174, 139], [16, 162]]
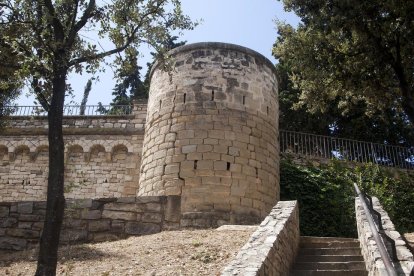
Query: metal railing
[[328, 147], [378, 232], [70, 110]]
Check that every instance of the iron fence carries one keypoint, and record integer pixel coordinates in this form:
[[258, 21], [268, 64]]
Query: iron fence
[[327, 147], [70, 110]]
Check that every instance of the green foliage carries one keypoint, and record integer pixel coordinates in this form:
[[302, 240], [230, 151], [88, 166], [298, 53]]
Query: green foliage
[[386, 126], [326, 196], [86, 92], [348, 52], [395, 191]]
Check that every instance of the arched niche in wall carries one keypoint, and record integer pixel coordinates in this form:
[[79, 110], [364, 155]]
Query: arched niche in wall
[[97, 153], [119, 152], [22, 153], [41, 153], [4, 153], [74, 154]]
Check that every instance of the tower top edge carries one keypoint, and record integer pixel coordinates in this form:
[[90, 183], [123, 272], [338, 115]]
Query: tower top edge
[[215, 46]]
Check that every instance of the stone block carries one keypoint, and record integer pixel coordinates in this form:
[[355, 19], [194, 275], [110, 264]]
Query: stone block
[[99, 225], [194, 156], [4, 211], [129, 207], [189, 149], [71, 235], [205, 165], [139, 228], [8, 222], [173, 209], [148, 199], [8, 243], [174, 168], [119, 215], [23, 233], [204, 148], [153, 207], [91, 214], [117, 226], [151, 217], [211, 156], [220, 165], [25, 207]]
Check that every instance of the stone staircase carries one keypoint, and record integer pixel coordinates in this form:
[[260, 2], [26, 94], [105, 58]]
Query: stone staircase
[[329, 256]]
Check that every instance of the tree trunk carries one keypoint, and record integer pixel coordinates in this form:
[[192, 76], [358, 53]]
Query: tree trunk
[[49, 241]]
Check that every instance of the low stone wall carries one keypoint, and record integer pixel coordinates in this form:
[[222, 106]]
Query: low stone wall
[[273, 247], [370, 251], [89, 220]]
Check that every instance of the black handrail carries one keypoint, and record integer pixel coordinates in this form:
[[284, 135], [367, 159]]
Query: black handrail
[[378, 231]]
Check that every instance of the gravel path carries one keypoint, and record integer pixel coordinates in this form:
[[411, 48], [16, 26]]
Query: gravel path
[[187, 252]]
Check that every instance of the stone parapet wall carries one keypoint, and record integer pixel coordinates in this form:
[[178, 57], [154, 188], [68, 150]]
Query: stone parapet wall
[[102, 156], [135, 120], [273, 247], [212, 131], [88, 220], [370, 251]]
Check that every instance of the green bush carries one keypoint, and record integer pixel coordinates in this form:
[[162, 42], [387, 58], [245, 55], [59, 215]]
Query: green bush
[[326, 195]]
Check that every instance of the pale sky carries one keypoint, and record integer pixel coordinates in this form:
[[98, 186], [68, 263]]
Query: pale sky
[[249, 23]]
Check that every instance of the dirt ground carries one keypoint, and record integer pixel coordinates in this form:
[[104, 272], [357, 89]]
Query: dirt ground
[[187, 252]]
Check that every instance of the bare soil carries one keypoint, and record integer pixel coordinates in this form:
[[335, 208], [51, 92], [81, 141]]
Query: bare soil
[[186, 252]]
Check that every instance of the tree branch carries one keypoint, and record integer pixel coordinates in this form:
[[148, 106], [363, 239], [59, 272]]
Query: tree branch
[[76, 27]]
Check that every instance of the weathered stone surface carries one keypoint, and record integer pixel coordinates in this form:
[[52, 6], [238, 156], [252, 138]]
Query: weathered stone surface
[[71, 235], [139, 228], [4, 211], [223, 118], [129, 207], [23, 233], [119, 215], [91, 214], [25, 207], [100, 225], [151, 217], [369, 248], [277, 235], [8, 243]]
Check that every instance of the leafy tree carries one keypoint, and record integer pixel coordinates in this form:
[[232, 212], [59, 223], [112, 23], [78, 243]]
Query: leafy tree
[[86, 92], [10, 85], [386, 126], [351, 52], [130, 86], [53, 43]]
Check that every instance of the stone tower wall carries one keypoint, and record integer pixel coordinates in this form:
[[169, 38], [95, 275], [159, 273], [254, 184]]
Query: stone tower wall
[[212, 132]]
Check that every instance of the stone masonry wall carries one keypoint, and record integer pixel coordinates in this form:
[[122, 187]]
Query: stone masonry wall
[[88, 220], [273, 247], [102, 156], [370, 251], [212, 133]]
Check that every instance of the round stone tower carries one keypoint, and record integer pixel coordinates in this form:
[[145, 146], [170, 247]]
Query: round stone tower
[[211, 134]]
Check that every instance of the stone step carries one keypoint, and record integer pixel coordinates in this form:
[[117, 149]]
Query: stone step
[[329, 244], [329, 273], [329, 258], [325, 239], [330, 265], [330, 251]]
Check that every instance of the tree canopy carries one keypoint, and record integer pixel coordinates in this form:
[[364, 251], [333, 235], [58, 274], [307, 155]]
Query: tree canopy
[[356, 55]]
